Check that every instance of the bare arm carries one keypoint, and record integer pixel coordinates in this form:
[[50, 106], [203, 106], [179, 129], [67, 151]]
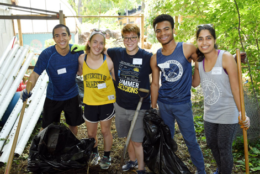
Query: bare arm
[[230, 66], [155, 81], [33, 78], [196, 76], [81, 61], [111, 67], [189, 51]]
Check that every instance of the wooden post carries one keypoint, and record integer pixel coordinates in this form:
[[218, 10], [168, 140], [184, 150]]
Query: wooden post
[[64, 20], [20, 32], [142, 31], [61, 17]]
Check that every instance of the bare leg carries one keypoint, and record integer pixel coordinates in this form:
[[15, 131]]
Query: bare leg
[[131, 151], [107, 136], [92, 131], [138, 148]]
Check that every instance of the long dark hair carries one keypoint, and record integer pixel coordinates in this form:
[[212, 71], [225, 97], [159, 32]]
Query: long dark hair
[[201, 56]]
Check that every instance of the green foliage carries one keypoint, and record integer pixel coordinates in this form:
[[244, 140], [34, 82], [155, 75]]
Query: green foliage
[[254, 154], [224, 16], [101, 7]]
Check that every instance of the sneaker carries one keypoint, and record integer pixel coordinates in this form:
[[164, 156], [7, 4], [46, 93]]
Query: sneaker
[[130, 165], [216, 172], [94, 159], [105, 162]]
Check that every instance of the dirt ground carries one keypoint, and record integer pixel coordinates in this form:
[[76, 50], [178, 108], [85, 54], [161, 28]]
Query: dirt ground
[[20, 164]]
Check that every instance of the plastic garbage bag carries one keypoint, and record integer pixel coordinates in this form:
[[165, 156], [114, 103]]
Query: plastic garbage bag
[[159, 147], [79, 81], [56, 149]]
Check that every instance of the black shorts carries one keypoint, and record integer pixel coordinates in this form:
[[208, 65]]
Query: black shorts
[[52, 110], [95, 114]]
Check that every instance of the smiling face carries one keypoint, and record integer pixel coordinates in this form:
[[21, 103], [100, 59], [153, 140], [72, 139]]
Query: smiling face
[[61, 39], [205, 41], [97, 44], [131, 40], [164, 32]]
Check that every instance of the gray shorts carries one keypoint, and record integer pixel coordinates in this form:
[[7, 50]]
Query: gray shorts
[[124, 119]]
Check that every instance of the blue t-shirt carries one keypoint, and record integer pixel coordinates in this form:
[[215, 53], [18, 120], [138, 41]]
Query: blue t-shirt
[[62, 72], [131, 72], [176, 77]]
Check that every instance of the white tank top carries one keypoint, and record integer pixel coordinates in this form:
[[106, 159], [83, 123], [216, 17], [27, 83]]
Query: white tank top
[[219, 103]]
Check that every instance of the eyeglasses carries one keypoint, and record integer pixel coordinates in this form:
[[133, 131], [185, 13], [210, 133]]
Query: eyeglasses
[[133, 38], [203, 25]]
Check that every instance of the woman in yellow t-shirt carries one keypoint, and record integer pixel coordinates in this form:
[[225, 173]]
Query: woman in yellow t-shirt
[[99, 94]]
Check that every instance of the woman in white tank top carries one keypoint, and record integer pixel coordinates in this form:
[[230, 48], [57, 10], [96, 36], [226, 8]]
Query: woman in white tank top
[[216, 70]]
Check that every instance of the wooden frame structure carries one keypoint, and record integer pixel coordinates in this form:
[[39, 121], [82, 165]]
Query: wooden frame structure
[[141, 27], [52, 15]]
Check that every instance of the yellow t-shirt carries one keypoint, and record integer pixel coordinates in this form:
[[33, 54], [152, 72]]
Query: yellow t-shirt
[[98, 85]]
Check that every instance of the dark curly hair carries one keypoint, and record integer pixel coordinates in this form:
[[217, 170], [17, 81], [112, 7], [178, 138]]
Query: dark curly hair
[[163, 17]]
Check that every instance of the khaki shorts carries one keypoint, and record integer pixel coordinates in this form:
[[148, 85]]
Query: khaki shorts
[[124, 119]]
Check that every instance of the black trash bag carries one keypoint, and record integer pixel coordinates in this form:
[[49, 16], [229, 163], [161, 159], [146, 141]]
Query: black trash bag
[[56, 149], [80, 84], [159, 147]]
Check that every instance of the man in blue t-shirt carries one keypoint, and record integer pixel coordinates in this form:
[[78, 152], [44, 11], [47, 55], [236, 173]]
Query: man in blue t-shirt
[[62, 91]]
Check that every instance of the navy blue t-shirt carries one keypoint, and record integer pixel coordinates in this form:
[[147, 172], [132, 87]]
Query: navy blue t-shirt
[[62, 72], [131, 72]]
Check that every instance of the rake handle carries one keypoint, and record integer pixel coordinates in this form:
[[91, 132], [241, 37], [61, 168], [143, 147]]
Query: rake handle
[[242, 104], [11, 156]]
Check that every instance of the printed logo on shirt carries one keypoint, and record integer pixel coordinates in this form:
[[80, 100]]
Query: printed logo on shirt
[[211, 91], [128, 77], [172, 70], [95, 84]]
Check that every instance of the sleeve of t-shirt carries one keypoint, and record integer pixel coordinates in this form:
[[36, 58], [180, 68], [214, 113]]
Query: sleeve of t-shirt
[[112, 52], [41, 63], [148, 55]]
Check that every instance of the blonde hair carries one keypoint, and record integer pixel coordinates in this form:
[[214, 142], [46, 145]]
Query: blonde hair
[[131, 28]]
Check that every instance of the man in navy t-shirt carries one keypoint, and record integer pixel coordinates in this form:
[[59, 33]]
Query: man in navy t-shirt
[[173, 60], [132, 69], [62, 91]]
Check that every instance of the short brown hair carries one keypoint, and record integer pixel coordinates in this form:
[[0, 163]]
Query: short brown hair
[[128, 28]]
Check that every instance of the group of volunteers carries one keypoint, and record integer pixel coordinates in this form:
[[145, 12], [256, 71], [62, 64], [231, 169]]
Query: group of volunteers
[[113, 76]]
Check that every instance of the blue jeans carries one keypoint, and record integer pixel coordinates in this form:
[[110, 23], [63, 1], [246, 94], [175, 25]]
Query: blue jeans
[[183, 115]]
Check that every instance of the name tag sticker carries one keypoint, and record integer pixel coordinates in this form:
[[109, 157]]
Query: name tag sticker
[[137, 61], [111, 97], [62, 71], [101, 85], [217, 70], [164, 65]]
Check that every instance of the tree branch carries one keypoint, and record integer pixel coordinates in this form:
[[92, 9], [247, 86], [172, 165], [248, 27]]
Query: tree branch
[[249, 69]]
